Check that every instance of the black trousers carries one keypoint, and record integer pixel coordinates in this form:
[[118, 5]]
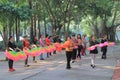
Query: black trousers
[[68, 56], [54, 52], [10, 63], [79, 50], [104, 53], [50, 54], [26, 61], [33, 58], [74, 54]]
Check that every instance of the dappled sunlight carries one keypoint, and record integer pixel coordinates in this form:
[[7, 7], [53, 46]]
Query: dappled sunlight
[[108, 67], [51, 69], [61, 62], [105, 66], [23, 73]]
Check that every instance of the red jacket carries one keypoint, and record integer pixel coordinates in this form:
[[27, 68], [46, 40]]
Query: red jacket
[[47, 41], [26, 43]]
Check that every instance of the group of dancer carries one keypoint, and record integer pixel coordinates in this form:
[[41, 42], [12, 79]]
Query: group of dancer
[[43, 42], [75, 48], [73, 53]]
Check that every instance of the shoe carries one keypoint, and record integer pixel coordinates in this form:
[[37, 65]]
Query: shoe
[[42, 59], [68, 67], [93, 66], [73, 61], [34, 61], [78, 58], [11, 69], [26, 65], [47, 57], [103, 57]]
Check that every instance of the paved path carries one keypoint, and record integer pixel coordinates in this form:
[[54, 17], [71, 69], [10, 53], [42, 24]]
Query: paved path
[[54, 68]]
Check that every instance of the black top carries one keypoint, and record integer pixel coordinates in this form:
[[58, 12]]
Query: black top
[[95, 51], [104, 47], [34, 41], [11, 45]]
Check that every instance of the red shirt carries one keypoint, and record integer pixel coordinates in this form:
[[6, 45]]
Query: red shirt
[[47, 41], [26, 43]]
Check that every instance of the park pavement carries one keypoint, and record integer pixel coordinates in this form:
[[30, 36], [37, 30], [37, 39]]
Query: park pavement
[[54, 68]]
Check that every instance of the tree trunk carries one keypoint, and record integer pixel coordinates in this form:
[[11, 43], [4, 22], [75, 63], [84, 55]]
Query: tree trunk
[[45, 25], [16, 25], [96, 30], [13, 29], [34, 25], [17, 29], [68, 30], [10, 26], [5, 37], [31, 27], [18, 35], [53, 26], [111, 33], [103, 28], [39, 33]]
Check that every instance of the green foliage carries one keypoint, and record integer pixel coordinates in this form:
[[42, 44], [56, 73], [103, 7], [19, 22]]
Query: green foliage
[[86, 13], [22, 12]]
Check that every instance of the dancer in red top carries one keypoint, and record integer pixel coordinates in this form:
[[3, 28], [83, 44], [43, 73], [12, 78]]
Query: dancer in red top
[[48, 43], [26, 45]]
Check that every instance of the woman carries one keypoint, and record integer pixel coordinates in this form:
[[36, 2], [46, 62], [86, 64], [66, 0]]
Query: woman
[[83, 46], [104, 49], [69, 51], [93, 53], [51, 41], [79, 46], [48, 43], [11, 47], [26, 45], [86, 41], [42, 44], [74, 40], [34, 42]]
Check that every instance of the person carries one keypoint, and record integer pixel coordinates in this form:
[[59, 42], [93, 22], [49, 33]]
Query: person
[[83, 46], [59, 40], [93, 53], [48, 43], [69, 51], [26, 45], [42, 44], [51, 41], [86, 42], [79, 46], [104, 48], [74, 40], [34, 44], [55, 37], [11, 47]]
